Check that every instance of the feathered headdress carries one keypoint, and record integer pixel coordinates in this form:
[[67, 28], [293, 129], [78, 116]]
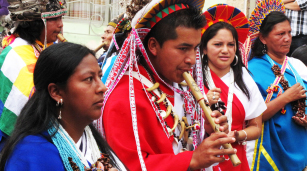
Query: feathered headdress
[[263, 8], [231, 15]]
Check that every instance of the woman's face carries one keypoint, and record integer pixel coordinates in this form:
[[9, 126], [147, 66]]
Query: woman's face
[[83, 94], [220, 51], [278, 40]]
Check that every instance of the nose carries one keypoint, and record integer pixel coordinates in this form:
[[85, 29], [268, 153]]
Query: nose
[[191, 58], [101, 88], [103, 36], [60, 22], [288, 37], [225, 49]]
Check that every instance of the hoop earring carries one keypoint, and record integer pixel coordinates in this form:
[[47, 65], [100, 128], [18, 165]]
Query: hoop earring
[[264, 49], [60, 104], [237, 59]]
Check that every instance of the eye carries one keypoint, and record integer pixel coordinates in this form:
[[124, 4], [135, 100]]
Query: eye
[[89, 79], [183, 48], [231, 44], [217, 44]]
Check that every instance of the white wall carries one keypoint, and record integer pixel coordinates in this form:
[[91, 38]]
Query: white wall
[[209, 3]]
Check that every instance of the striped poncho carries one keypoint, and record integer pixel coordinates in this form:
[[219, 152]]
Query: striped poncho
[[17, 62]]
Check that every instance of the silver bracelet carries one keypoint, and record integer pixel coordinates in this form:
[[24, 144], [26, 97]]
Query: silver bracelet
[[243, 142]]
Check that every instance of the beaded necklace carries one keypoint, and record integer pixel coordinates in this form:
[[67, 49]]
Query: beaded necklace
[[68, 149], [186, 128], [298, 105]]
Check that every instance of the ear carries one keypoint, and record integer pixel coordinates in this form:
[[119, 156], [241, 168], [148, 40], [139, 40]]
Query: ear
[[54, 92], [153, 46], [262, 39], [205, 51]]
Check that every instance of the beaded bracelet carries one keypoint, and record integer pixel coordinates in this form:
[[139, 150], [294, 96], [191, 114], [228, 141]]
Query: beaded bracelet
[[243, 142]]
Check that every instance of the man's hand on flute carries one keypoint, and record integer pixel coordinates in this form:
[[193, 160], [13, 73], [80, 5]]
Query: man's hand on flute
[[210, 151], [218, 119]]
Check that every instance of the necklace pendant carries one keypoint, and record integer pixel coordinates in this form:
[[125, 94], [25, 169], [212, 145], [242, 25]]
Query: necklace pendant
[[162, 113], [176, 140], [170, 131]]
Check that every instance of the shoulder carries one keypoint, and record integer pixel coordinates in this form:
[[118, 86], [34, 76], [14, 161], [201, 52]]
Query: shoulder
[[19, 50], [35, 152], [259, 66], [296, 62], [299, 66]]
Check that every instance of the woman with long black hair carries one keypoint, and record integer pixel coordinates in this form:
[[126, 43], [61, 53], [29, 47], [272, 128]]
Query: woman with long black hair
[[227, 80], [54, 130]]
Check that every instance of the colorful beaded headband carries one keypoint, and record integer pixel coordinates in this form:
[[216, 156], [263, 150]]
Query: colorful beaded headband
[[123, 25], [228, 14], [160, 9], [263, 8]]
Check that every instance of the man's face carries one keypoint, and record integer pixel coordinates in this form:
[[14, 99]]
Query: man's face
[[176, 56], [107, 37], [54, 27]]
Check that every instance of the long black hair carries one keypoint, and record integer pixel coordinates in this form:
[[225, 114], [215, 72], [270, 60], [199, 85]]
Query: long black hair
[[54, 65], [237, 69], [30, 30], [266, 27]]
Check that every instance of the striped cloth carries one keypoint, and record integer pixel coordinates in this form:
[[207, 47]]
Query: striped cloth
[[298, 19], [17, 62]]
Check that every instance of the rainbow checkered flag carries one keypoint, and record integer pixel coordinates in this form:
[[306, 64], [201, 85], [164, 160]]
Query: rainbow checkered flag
[[17, 62]]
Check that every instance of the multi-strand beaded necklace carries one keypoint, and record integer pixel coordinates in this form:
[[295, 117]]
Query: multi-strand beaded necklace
[[298, 105], [186, 128]]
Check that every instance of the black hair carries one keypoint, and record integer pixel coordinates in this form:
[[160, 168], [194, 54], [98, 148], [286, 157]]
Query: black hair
[[120, 38], [266, 27], [300, 53], [165, 29], [30, 30], [237, 69], [54, 65]]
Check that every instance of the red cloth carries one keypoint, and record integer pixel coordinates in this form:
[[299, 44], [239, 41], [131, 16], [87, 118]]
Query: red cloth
[[238, 118], [156, 148]]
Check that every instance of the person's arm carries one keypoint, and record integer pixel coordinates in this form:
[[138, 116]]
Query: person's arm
[[293, 93], [297, 5], [35, 153], [293, 6], [287, 1], [253, 130]]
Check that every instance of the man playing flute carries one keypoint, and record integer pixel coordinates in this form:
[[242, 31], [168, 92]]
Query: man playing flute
[[150, 119]]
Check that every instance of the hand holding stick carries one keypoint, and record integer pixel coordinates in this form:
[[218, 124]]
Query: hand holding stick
[[207, 111]]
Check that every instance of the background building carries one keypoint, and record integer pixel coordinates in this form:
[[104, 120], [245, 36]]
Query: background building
[[87, 19]]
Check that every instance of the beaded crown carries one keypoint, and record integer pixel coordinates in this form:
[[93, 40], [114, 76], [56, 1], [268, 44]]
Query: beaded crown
[[228, 14], [156, 10], [263, 9]]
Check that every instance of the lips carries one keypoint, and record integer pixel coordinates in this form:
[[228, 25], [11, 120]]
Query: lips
[[99, 103], [224, 58]]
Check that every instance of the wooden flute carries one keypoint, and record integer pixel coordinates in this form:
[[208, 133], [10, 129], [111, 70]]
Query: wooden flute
[[61, 37], [207, 111], [99, 47]]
